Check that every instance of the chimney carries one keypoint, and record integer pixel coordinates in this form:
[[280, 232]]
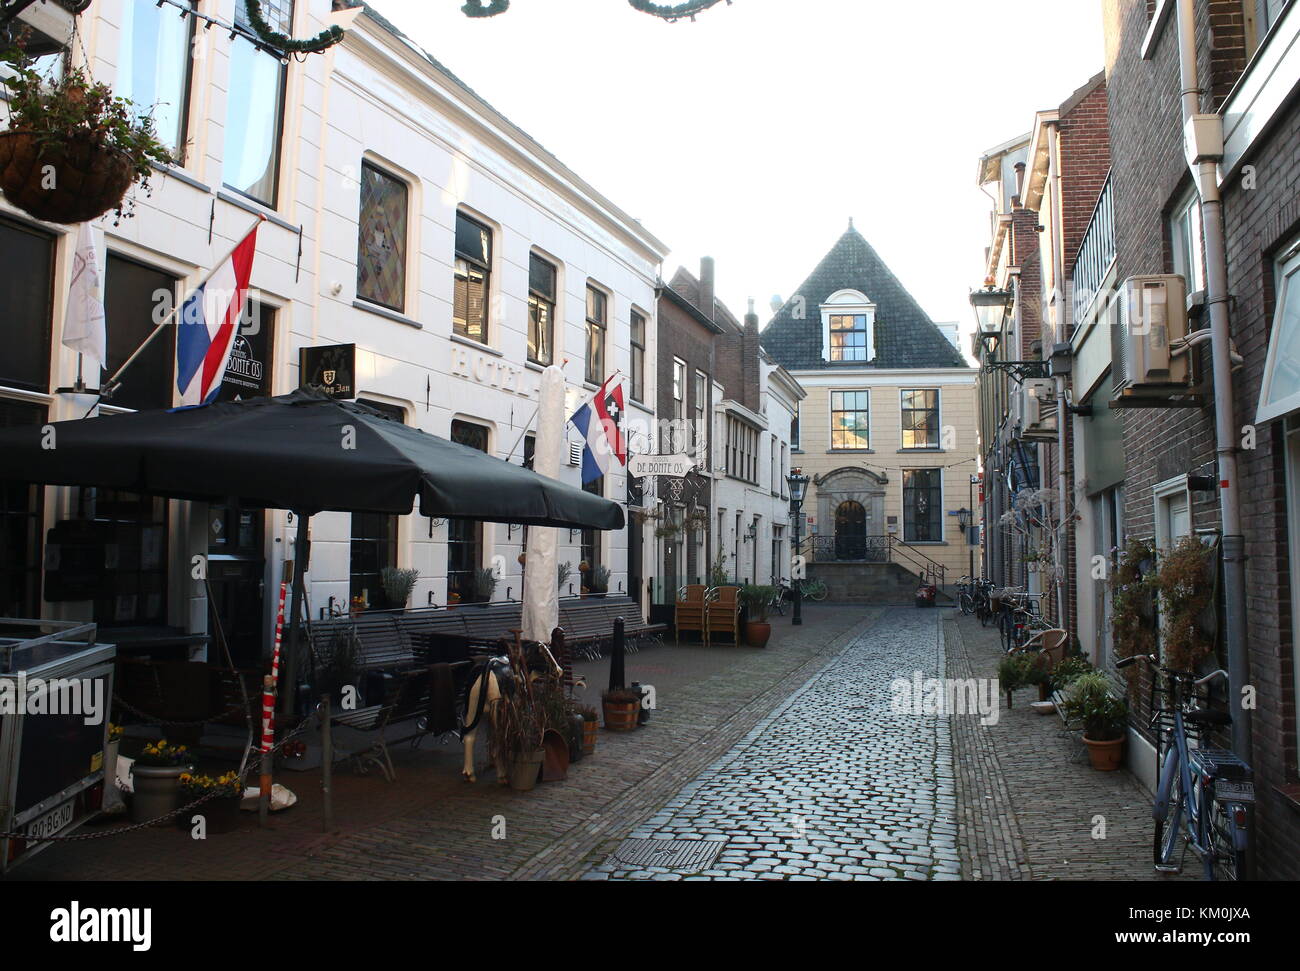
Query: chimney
[[706, 287], [751, 319], [1020, 178]]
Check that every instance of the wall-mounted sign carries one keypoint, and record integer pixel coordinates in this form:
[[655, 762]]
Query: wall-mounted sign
[[481, 368], [673, 466], [330, 368]]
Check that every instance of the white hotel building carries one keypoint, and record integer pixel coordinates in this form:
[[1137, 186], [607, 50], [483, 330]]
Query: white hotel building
[[404, 216]]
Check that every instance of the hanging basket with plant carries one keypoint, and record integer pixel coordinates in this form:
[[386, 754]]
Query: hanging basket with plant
[[72, 149], [1132, 587], [1186, 582]]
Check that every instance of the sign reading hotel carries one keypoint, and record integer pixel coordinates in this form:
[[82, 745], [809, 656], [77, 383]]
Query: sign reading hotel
[[474, 365], [673, 466]]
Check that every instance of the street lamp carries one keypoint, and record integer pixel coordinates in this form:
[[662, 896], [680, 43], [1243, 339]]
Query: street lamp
[[798, 483], [992, 307]]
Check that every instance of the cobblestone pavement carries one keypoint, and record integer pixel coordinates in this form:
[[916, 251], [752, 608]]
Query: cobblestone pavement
[[431, 825], [1030, 807], [833, 785]]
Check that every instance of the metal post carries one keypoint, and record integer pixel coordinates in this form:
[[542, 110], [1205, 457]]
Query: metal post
[[300, 555], [797, 617], [327, 763]]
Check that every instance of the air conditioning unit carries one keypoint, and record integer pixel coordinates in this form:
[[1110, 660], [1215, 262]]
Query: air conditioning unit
[[1039, 409], [1152, 316]]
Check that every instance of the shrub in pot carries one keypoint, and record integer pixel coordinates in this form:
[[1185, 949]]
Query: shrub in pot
[[222, 795], [757, 600], [1104, 718], [156, 778], [398, 584], [519, 728], [72, 149], [1014, 672]]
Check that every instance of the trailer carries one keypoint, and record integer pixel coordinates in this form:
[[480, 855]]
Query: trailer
[[56, 691]]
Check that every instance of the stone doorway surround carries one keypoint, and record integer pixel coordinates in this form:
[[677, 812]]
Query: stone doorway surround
[[847, 484]]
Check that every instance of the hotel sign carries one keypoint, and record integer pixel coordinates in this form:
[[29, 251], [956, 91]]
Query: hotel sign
[[673, 466]]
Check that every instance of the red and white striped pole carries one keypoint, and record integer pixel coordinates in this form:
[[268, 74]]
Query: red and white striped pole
[[268, 701]]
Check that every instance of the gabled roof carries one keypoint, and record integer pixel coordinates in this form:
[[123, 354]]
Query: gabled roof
[[905, 335]]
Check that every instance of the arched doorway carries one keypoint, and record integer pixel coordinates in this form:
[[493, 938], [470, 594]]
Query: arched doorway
[[850, 531]]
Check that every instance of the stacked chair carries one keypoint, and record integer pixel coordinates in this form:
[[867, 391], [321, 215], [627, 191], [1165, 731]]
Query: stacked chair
[[722, 613], [690, 612]]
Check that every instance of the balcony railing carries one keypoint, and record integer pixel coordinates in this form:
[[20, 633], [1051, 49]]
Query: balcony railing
[[1096, 254]]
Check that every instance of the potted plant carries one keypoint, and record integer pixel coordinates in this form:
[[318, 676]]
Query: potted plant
[[590, 723], [1104, 717], [562, 573], [340, 667], [600, 580], [485, 584], [621, 708], [222, 796], [398, 584], [757, 600], [1040, 675], [519, 728], [72, 149], [155, 778], [1068, 671], [1013, 673]]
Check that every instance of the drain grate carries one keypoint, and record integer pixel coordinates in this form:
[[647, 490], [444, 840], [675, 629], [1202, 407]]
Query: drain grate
[[673, 854]]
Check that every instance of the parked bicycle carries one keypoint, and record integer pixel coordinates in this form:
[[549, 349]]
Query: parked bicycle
[[973, 597], [1204, 795], [1019, 617], [811, 590]]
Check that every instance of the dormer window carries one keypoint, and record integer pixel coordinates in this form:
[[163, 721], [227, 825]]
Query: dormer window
[[848, 328]]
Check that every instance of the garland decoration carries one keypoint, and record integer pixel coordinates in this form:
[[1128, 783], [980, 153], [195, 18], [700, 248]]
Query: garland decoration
[[673, 12], [475, 8], [282, 42]]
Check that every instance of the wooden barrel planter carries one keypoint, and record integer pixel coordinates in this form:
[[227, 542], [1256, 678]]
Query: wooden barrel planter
[[621, 711], [85, 179], [589, 730]]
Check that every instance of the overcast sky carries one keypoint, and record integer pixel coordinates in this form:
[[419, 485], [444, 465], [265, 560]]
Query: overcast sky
[[754, 133]]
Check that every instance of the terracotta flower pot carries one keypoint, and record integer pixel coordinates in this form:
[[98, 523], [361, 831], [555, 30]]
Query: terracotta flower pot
[[84, 181], [757, 633], [1105, 756]]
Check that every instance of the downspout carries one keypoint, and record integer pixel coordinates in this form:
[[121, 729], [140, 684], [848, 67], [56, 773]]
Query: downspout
[[1216, 297], [1061, 546]]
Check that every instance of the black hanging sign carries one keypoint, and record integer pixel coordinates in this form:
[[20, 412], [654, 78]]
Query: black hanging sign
[[330, 368]]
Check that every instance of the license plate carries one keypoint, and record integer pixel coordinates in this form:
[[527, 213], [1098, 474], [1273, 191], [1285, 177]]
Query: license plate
[[49, 824], [1230, 790]]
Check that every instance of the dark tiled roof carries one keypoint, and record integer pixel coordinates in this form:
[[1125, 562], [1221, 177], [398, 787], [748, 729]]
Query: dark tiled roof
[[905, 335]]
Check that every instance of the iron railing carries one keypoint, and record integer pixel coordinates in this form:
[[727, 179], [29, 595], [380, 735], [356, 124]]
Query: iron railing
[[1096, 254]]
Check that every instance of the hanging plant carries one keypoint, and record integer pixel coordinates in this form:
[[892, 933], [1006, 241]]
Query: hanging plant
[[285, 44], [1132, 586], [1186, 584], [72, 149]]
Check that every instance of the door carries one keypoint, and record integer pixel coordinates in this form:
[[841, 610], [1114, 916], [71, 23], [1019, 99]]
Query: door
[[236, 570], [850, 531]]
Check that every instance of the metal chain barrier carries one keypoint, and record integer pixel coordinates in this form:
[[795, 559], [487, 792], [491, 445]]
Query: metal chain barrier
[[154, 719], [118, 831]]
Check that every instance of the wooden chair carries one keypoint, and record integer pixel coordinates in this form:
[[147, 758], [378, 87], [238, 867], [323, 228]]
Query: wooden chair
[[723, 614], [689, 614]]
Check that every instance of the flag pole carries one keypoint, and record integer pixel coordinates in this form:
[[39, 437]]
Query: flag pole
[[114, 381]]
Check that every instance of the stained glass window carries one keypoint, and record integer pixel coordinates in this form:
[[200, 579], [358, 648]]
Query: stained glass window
[[381, 239]]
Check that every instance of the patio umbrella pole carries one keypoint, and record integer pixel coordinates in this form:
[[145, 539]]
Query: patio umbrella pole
[[300, 555]]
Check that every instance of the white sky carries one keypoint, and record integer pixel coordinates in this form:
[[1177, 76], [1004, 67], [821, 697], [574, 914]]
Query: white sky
[[754, 133]]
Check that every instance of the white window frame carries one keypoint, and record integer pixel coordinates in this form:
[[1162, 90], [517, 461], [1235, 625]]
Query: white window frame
[[1186, 233], [830, 419], [938, 407], [848, 303], [1292, 465], [1288, 276], [1161, 494]]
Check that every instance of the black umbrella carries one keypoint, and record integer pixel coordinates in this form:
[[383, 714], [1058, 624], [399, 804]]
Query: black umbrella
[[301, 451]]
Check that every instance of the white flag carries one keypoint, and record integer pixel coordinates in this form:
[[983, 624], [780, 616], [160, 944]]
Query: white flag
[[83, 329]]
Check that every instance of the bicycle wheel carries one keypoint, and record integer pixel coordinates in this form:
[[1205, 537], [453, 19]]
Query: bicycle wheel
[[1229, 862], [967, 604], [1006, 630], [983, 611], [819, 591], [1168, 832], [778, 604]]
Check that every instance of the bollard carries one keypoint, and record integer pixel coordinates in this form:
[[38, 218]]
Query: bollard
[[264, 795], [327, 762]]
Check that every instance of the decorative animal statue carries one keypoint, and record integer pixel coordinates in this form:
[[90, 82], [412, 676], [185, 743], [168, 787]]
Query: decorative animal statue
[[491, 681]]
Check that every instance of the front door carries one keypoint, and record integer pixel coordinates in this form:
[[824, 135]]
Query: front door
[[850, 531], [236, 569]]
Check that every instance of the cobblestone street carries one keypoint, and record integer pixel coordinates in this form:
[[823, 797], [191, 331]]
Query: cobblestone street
[[832, 785]]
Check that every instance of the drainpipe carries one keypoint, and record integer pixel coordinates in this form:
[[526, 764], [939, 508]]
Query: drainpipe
[[1061, 546], [1216, 297]]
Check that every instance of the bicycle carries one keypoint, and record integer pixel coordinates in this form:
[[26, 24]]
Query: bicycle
[[1213, 788], [1020, 617], [780, 593], [814, 589], [966, 595]]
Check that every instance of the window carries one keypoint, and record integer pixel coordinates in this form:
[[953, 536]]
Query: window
[[742, 450], [153, 68], [1279, 392], [597, 322], [255, 108], [638, 357], [794, 428], [590, 550], [541, 311], [133, 294], [1185, 233], [22, 526], [465, 536], [850, 419], [1267, 13], [849, 337], [381, 239], [131, 532], [469, 313], [701, 418], [921, 419], [374, 540], [778, 559], [922, 506], [27, 295]]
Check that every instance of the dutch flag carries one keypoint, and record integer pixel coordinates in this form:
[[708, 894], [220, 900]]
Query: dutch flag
[[598, 421], [209, 323]]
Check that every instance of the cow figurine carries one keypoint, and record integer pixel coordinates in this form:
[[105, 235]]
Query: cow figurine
[[492, 681]]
